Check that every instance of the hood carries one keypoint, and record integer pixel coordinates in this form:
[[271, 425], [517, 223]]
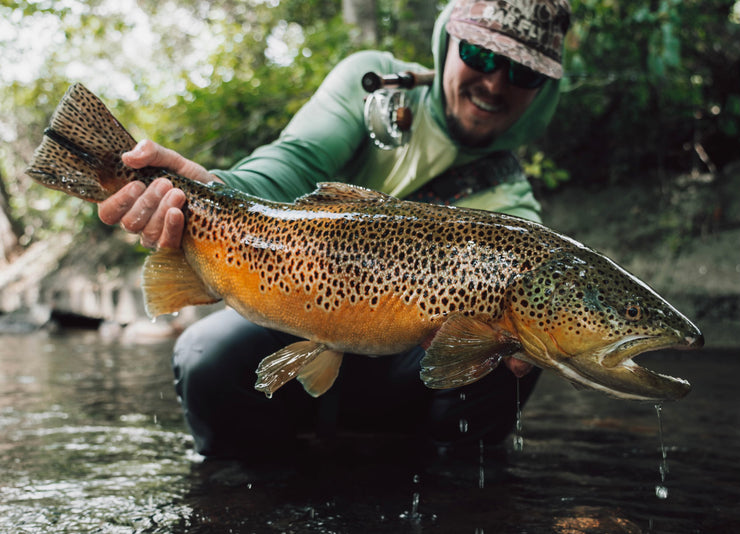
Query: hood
[[529, 127]]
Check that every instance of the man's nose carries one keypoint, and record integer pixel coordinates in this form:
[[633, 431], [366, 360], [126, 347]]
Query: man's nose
[[496, 80]]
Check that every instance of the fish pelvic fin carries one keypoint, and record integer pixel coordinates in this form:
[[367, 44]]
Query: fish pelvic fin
[[318, 376], [169, 283], [81, 150], [315, 366], [465, 350]]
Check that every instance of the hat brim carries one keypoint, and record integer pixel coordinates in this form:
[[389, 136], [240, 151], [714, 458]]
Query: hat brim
[[506, 46]]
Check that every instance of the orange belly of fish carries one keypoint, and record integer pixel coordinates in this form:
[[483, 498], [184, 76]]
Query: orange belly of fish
[[384, 326]]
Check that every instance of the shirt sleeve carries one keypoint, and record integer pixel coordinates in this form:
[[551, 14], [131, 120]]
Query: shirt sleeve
[[513, 198], [318, 141]]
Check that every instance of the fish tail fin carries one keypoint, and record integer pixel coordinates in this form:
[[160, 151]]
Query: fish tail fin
[[81, 150]]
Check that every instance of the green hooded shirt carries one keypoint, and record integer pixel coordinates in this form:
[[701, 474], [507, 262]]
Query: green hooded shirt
[[327, 140]]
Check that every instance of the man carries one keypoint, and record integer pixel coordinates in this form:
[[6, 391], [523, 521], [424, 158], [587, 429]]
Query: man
[[497, 66]]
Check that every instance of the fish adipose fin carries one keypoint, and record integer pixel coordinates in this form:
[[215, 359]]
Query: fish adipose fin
[[169, 283], [315, 366], [463, 351], [334, 192], [81, 150]]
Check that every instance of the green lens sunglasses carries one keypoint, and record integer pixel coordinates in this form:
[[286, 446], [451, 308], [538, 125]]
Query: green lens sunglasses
[[487, 61]]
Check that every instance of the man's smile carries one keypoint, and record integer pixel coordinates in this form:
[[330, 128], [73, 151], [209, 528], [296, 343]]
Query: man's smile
[[490, 104]]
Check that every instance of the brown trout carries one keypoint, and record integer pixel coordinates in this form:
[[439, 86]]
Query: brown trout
[[356, 271]]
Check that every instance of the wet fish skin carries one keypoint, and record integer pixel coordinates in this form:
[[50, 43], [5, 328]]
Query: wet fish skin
[[353, 270]]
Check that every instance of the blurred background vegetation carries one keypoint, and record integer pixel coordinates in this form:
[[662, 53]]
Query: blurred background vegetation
[[652, 87]]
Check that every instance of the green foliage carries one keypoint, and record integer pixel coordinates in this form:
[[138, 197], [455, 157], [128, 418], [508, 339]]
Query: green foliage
[[208, 86], [249, 99], [541, 167], [646, 81]]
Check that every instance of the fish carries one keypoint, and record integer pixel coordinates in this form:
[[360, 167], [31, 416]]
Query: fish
[[355, 271]]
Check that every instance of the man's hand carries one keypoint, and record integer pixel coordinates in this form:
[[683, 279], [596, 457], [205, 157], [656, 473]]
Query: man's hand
[[154, 212], [518, 367]]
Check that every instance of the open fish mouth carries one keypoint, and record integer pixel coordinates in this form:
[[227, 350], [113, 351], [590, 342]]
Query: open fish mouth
[[614, 371]]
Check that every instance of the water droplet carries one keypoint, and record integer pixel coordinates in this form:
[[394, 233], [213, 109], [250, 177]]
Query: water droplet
[[663, 469], [660, 490], [463, 426], [415, 503], [413, 515], [481, 465], [518, 438]]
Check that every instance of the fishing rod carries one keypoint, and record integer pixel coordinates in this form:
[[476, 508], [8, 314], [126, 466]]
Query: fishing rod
[[372, 81], [387, 117]]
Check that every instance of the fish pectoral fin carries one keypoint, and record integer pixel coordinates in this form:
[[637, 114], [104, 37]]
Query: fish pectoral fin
[[340, 192], [463, 351], [315, 366], [169, 283], [318, 375]]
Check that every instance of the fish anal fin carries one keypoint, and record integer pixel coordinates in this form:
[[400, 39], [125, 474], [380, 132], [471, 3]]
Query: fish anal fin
[[280, 367], [463, 351], [318, 375], [169, 283], [331, 192]]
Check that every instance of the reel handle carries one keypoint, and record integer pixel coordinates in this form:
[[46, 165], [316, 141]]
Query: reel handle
[[373, 81]]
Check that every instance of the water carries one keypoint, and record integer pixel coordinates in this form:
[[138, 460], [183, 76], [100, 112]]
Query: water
[[518, 439], [661, 491], [91, 440]]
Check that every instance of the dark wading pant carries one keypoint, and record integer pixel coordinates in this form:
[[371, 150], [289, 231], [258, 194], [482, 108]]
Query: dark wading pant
[[215, 361]]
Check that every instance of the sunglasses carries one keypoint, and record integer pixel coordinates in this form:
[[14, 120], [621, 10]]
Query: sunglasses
[[487, 61]]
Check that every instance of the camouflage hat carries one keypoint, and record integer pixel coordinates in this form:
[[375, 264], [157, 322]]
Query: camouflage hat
[[530, 32]]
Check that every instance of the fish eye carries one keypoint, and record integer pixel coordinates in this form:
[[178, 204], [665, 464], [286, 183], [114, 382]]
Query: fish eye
[[633, 312]]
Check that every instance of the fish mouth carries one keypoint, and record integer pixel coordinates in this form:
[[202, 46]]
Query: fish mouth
[[614, 371]]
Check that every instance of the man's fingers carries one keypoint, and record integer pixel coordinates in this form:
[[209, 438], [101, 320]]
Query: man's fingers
[[112, 209], [156, 229], [149, 154], [518, 367], [137, 218], [174, 225], [144, 154]]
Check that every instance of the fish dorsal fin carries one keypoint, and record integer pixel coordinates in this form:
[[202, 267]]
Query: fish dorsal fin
[[169, 283], [315, 366], [463, 351], [336, 192]]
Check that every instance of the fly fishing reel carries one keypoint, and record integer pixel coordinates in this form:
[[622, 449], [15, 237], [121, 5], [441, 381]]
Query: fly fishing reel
[[387, 116]]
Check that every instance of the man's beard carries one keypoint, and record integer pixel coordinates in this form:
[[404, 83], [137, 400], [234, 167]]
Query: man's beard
[[465, 138]]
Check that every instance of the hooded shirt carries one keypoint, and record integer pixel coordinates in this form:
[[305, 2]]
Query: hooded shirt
[[327, 140]]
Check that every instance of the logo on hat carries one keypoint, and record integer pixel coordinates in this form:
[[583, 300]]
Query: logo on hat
[[530, 32]]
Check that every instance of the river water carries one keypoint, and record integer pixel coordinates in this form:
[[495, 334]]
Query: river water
[[91, 440]]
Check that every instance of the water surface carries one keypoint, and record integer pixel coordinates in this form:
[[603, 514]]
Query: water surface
[[91, 440]]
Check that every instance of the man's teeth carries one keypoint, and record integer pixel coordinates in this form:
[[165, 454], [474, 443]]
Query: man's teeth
[[486, 106]]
